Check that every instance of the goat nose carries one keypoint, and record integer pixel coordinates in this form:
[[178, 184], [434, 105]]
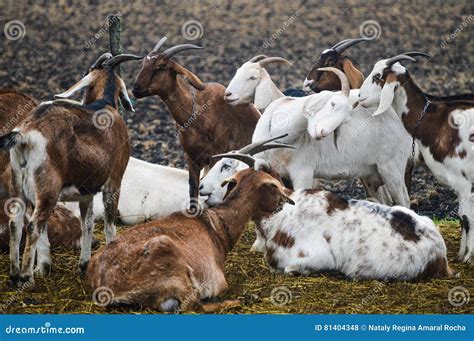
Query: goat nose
[[227, 93], [201, 186]]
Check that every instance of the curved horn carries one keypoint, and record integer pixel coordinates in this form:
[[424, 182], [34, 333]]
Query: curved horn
[[100, 60], [345, 87], [245, 158], [269, 60], [341, 42], [249, 148], [179, 48], [345, 45], [159, 45], [398, 58], [416, 53], [120, 58], [257, 58], [269, 146]]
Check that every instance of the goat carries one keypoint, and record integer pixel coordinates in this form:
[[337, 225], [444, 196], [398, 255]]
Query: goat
[[360, 157], [318, 81], [148, 192], [441, 127], [361, 239], [68, 151], [206, 124], [177, 262]]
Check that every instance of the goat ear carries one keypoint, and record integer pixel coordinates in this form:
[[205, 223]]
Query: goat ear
[[263, 97], [387, 94], [313, 104], [84, 82], [227, 181], [191, 77], [124, 99], [355, 77], [275, 184]]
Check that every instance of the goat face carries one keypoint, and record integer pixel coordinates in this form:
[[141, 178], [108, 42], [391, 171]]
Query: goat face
[[242, 87], [379, 87], [211, 183], [270, 190], [157, 76], [335, 112]]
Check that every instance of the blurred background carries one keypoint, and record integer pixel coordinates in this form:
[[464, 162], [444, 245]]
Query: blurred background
[[47, 46]]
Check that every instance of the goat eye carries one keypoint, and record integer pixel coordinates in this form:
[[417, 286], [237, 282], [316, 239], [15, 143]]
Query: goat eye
[[225, 167], [333, 104], [253, 78]]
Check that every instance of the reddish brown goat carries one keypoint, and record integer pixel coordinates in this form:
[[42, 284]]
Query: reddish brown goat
[[206, 124], [177, 262], [68, 151]]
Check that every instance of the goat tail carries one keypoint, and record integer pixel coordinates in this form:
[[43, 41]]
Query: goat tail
[[9, 140]]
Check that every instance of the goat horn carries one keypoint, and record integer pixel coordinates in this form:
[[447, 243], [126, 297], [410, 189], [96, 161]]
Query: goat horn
[[245, 158], [398, 58], [269, 60], [249, 148], [257, 58], [416, 53], [345, 87], [179, 48], [159, 45], [341, 42], [269, 146], [116, 60], [101, 59], [346, 44]]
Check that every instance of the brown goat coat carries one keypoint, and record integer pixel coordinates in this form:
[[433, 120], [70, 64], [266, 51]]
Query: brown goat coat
[[182, 257]]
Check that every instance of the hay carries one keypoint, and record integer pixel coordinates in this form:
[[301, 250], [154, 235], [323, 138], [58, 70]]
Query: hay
[[251, 281]]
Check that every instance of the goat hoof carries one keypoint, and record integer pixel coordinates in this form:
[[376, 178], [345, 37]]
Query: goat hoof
[[13, 281], [43, 270], [83, 268], [26, 280]]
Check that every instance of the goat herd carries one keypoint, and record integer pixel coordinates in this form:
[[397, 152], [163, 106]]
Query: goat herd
[[340, 127]]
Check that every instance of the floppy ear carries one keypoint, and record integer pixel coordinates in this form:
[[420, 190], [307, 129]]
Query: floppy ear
[[355, 77], [387, 94], [230, 183], [191, 77], [84, 82], [263, 98], [124, 99], [314, 104], [275, 184]]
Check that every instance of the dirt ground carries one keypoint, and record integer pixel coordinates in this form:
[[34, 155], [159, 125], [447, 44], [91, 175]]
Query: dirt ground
[[62, 38]]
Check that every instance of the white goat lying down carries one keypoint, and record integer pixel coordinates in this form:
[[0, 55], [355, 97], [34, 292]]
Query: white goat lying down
[[148, 192], [361, 239], [365, 146]]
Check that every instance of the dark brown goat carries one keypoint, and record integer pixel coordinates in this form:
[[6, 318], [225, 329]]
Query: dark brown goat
[[206, 124]]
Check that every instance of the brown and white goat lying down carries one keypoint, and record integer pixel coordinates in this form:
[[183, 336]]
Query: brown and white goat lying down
[[64, 151], [206, 124], [177, 262]]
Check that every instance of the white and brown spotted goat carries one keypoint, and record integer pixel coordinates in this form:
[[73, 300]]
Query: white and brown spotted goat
[[358, 238], [441, 126], [176, 262], [64, 151]]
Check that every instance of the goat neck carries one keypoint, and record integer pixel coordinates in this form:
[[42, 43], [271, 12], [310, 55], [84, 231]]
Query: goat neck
[[178, 99]]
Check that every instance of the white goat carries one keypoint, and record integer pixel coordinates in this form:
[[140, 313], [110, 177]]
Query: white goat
[[148, 192], [441, 126], [361, 239]]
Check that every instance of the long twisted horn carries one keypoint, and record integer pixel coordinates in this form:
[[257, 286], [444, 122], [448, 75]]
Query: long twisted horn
[[269, 60], [100, 60], [159, 45], [345, 87], [120, 58], [179, 48], [346, 44], [398, 58]]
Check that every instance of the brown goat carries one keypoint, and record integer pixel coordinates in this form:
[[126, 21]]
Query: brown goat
[[68, 151], [206, 124], [318, 81], [177, 262]]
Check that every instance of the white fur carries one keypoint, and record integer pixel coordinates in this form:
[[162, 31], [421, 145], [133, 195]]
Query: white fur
[[456, 172], [358, 241], [148, 191]]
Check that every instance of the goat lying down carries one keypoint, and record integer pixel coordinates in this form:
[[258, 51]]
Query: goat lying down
[[177, 262], [361, 239], [148, 191]]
